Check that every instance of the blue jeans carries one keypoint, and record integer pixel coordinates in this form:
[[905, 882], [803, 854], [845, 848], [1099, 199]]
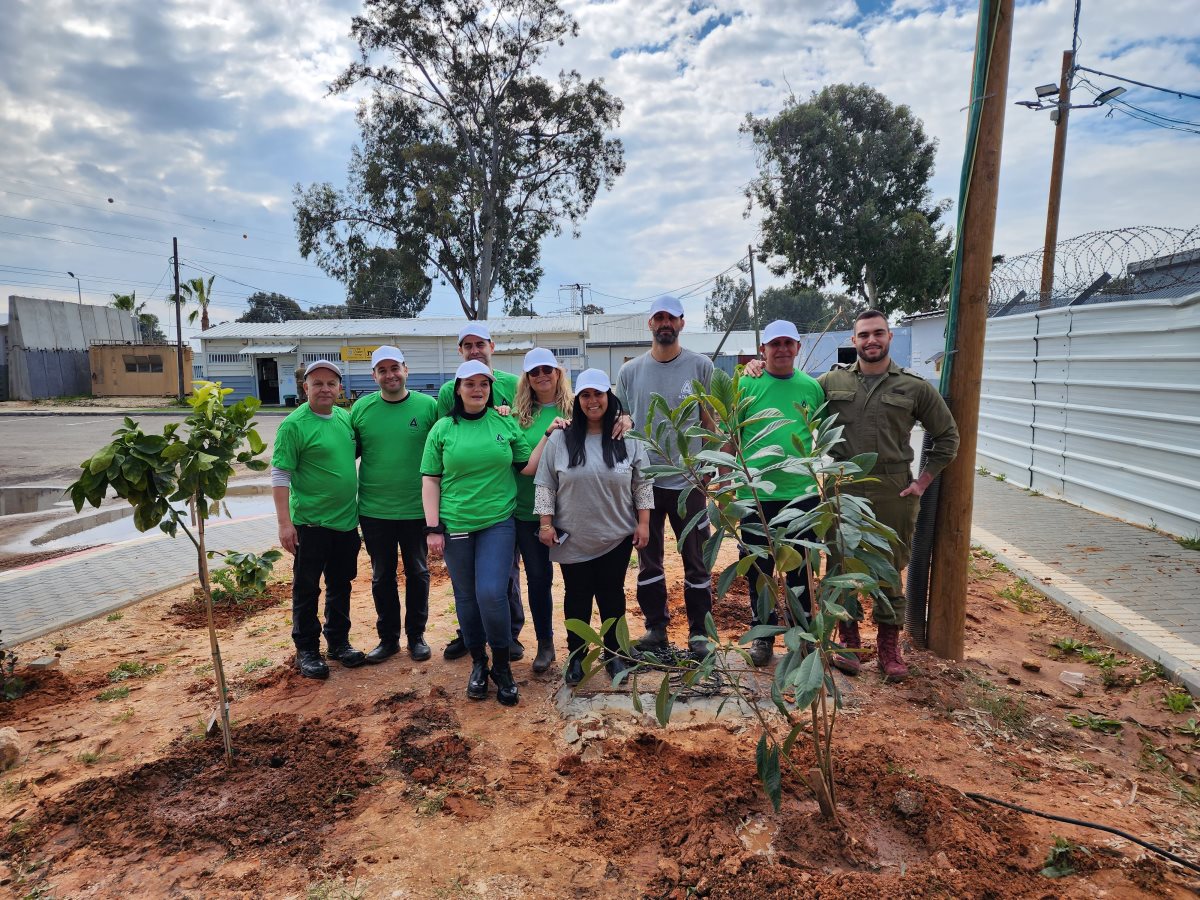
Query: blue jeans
[[539, 576], [479, 563]]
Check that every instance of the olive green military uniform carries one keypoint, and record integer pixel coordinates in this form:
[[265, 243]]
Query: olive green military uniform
[[878, 414]]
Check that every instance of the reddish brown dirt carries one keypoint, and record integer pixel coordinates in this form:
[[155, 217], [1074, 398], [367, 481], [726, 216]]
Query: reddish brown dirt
[[389, 782], [191, 613]]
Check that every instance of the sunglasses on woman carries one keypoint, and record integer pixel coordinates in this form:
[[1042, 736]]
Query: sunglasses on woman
[[539, 371]]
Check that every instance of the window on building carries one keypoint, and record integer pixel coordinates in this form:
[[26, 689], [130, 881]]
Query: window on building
[[566, 351], [224, 358], [151, 363]]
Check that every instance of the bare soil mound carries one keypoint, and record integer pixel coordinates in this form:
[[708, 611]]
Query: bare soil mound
[[191, 613], [43, 689], [289, 782]]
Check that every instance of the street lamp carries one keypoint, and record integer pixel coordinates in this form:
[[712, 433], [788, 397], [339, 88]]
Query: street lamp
[[1057, 99], [78, 290]]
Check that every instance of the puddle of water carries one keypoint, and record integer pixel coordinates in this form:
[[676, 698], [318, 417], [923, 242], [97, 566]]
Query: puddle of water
[[116, 524], [756, 835], [17, 500]]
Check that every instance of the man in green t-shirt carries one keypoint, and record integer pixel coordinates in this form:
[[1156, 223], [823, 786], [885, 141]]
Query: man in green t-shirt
[[390, 427], [475, 343], [784, 389], [315, 488]]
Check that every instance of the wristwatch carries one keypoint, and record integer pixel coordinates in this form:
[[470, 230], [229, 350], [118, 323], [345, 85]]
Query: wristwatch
[[439, 528]]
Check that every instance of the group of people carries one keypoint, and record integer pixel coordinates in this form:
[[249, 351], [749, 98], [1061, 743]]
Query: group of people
[[502, 472]]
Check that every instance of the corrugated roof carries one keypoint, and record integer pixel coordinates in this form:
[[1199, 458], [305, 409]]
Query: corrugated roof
[[446, 326]]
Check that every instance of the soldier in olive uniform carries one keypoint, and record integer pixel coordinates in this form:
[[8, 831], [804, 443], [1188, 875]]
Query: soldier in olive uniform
[[878, 403]]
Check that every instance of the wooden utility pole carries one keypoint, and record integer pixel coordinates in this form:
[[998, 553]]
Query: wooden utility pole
[[1056, 179], [753, 298], [952, 537], [178, 317]]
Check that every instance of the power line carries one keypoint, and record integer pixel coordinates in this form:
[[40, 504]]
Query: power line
[[169, 212], [134, 237], [116, 212], [1154, 87]]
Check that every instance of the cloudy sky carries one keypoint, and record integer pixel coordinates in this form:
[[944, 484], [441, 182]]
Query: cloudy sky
[[125, 123]]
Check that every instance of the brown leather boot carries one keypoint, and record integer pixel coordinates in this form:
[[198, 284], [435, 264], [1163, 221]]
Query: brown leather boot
[[891, 663], [848, 663]]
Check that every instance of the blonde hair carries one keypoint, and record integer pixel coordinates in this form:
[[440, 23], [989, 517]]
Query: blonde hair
[[527, 403]]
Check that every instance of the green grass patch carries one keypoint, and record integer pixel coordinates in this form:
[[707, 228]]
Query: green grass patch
[[114, 617], [255, 664], [133, 669], [120, 692]]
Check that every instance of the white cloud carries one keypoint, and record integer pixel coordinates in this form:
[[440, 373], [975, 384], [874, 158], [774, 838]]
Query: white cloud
[[216, 109]]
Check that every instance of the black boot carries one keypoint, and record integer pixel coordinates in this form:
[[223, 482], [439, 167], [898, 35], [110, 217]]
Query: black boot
[[506, 687], [545, 656], [477, 683], [574, 673], [311, 665], [615, 666]]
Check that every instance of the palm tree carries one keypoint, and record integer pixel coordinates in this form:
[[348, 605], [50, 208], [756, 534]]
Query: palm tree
[[127, 303], [195, 290]]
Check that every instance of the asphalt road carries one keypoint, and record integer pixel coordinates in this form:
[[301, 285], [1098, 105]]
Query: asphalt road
[[49, 449]]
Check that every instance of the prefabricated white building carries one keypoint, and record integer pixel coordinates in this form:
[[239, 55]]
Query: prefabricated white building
[[259, 359]]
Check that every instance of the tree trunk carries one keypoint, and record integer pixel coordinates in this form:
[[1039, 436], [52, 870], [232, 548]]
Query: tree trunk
[[218, 668]]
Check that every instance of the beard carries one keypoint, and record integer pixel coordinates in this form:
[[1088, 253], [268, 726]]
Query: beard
[[666, 336]]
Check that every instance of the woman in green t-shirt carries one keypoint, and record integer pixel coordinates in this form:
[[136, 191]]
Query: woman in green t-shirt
[[543, 395], [469, 494]]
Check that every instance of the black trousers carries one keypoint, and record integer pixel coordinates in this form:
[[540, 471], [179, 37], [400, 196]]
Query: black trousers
[[334, 554], [765, 567], [602, 578], [388, 541], [697, 580]]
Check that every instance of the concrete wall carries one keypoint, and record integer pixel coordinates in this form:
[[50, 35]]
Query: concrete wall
[[1099, 405], [111, 378], [48, 342]]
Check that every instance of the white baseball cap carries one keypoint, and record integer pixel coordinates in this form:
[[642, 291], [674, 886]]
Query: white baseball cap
[[386, 352], [780, 328], [473, 367], [323, 364], [476, 328], [595, 379], [668, 304], [539, 356]]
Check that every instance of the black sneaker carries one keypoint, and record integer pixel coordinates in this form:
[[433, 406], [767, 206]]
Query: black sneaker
[[418, 649], [516, 650], [456, 649]]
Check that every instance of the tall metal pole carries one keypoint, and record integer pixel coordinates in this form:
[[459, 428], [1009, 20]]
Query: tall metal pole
[[1056, 178], [952, 538], [178, 317], [754, 298]]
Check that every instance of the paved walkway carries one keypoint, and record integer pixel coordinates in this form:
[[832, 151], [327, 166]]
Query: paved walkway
[[1141, 590], [44, 597]]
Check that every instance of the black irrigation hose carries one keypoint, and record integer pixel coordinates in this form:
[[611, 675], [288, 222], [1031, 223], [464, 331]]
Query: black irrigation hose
[[1117, 831]]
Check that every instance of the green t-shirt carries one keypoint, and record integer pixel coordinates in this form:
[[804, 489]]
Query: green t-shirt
[[504, 392], [533, 435], [474, 458], [391, 439], [319, 454], [770, 392]]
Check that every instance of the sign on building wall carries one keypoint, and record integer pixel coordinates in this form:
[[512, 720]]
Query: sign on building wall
[[359, 354]]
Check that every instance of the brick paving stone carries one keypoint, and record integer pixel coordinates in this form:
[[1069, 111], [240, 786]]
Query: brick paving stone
[[44, 597], [1140, 589]]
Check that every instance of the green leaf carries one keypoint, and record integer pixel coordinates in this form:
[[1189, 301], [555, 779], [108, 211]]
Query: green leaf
[[664, 702], [101, 461], [622, 633], [762, 631], [585, 631], [633, 693], [766, 758], [796, 731], [808, 675], [256, 442]]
